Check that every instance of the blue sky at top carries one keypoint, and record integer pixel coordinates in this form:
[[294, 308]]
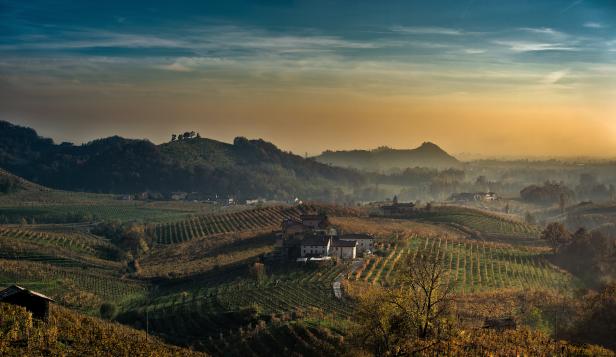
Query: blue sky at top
[[55, 52]]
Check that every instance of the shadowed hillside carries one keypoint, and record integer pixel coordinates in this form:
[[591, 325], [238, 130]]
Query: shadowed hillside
[[244, 169]]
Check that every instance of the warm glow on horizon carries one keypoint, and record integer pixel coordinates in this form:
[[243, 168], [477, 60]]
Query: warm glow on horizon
[[470, 78]]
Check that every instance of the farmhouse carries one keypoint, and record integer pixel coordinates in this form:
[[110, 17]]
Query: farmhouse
[[344, 249], [473, 196], [36, 303], [318, 245], [398, 209], [313, 236], [364, 241]]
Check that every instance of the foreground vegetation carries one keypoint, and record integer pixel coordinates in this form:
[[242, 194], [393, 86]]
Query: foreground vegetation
[[70, 334], [210, 279]]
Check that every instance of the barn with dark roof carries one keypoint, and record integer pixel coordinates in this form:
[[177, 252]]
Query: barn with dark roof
[[36, 303]]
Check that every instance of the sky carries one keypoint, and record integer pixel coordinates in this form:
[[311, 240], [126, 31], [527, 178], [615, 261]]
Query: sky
[[497, 78]]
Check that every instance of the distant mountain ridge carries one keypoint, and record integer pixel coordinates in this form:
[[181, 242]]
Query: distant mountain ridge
[[243, 169], [384, 158]]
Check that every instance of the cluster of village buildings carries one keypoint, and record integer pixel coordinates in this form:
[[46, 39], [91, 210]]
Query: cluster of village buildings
[[313, 236]]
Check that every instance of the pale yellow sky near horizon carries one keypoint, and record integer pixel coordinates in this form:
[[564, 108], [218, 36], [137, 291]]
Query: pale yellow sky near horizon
[[490, 125]]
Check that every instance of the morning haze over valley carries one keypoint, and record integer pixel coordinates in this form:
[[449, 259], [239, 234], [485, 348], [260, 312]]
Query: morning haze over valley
[[308, 178]]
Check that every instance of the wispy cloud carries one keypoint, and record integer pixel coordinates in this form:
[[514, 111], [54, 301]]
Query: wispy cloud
[[594, 25], [572, 5], [528, 46], [428, 30], [545, 31], [91, 39], [555, 77], [211, 38], [474, 51], [176, 67]]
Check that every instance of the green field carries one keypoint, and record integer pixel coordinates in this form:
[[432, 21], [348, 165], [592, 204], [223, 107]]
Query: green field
[[486, 223], [213, 224], [473, 266], [302, 337], [70, 265], [200, 310]]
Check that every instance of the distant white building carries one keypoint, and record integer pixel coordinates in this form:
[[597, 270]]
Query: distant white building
[[178, 196], [364, 241], [474, 196], [344, 249], [316, 246]]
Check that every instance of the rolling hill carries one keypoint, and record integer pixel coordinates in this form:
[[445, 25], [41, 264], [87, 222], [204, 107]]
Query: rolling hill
[[10, 183], [384, 158], [242, 169]]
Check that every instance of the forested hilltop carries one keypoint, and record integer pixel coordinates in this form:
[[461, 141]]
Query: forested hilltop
[[244, 169]]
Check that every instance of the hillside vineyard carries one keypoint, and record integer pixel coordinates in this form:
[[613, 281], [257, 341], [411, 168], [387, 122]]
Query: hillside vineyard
[[307, 178]]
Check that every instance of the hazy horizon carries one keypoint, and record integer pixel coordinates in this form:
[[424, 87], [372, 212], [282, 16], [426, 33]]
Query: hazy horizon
[[524, 79]]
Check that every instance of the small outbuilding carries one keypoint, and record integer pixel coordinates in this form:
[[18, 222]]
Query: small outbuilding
[[36, 303], [364, 241], [344, 249]]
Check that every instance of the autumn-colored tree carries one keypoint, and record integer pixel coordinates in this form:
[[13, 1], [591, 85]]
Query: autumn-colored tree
[[409, 318], [556, 235]]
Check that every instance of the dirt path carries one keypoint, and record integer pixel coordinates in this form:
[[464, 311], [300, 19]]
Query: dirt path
[[337, 282]]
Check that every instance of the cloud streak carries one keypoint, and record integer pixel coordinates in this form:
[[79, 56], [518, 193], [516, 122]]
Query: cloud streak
[[444, 31], [554, 77], [528, 46]]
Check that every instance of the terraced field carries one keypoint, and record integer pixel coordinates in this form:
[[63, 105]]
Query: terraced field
[[83, 289], [77, 241], [208, 225], [300, 337], [203, 311], [484, 222], [70, 248], [68, 264], [473, 266], [116, 210]]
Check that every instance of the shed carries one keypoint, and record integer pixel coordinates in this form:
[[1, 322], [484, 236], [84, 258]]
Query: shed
[[344, 249], [364, 241], [36, 303]]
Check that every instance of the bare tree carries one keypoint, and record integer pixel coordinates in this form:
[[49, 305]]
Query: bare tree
[[411, 317], [426, 289]]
